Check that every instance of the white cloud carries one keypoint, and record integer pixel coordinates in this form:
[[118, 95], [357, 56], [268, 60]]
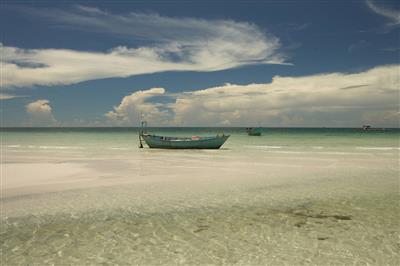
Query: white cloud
[[132, 107], [176, 44], [332, 99], [40, 113], [392, 15]]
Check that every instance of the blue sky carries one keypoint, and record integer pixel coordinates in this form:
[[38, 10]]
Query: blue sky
[[200, 63]]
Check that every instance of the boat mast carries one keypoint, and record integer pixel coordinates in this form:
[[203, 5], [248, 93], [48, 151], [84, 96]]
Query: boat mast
[[143, 130]]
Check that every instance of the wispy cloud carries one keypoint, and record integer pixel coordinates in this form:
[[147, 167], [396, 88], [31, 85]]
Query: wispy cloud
[[332, 99], [296, 27], [391, 49], [172, 44], [392, 15], [6, 96], [358, 45]]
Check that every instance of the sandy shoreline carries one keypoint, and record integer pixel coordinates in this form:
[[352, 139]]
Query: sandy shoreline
[[33, 173]]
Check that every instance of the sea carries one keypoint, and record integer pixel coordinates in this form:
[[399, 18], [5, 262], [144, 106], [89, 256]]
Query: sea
[[293, 196]]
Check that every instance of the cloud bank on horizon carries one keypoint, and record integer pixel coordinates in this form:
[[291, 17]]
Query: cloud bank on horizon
[[340, 99], [177, 44], [40, 113]]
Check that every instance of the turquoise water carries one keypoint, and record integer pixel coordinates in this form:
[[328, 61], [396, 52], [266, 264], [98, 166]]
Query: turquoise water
[[107, 139], [292, 196]]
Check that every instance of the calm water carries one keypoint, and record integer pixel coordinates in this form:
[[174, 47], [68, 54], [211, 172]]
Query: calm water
[[292, 196], [107, 139]]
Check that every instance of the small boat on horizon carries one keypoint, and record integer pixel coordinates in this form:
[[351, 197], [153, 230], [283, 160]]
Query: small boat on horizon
[[370, 128], [254, 131], [194, 142]]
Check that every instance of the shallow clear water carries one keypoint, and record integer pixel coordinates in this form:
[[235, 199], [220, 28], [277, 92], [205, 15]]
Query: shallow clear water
[[291, 196], [125, 140]]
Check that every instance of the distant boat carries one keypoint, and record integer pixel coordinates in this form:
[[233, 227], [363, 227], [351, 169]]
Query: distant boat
[[254, 131], [370, 128], [194, 142]]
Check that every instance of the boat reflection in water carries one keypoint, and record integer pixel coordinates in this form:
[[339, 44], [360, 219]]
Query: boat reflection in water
[[194, 142]]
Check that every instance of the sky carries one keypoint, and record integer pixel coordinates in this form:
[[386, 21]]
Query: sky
[[200, 63]]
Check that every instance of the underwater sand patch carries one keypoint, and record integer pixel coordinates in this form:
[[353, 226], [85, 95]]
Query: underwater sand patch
[[320, 215], [201, 228]]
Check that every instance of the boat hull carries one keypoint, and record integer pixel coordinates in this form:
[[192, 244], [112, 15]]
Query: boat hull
[[161, 142]]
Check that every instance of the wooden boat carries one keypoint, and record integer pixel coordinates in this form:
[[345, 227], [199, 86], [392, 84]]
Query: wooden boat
[[254, 131], [194, 142]]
